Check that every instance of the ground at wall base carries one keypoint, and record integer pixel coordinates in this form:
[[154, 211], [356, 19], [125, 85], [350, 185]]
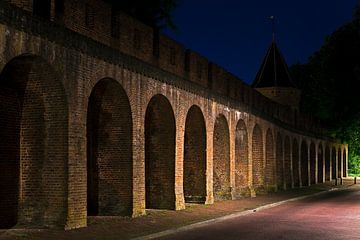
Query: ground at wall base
[[160, 220]]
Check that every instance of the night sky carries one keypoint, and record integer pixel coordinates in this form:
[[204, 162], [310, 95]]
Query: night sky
[[236, 34]]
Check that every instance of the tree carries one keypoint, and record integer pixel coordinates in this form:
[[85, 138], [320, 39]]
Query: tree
[[155, 13], [329, 83]]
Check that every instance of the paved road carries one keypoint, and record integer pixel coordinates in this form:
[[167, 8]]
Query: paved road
[[335, 215]]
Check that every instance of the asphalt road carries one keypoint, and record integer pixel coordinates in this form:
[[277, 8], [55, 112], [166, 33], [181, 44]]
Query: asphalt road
[[334, 215]]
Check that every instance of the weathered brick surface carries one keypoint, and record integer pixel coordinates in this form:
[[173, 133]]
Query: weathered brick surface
[[221, 159], [304, 163], [197, 68], [296, 163], [279, 162], [257, 158], [339, 161], [287, 163], [327, 163], [9, 155], [241, 159], [333, 163], [109, 156], [160, 154], [320, 164], [195, 156], [270, 163], [344, 172], [78, 101], [312, 163]]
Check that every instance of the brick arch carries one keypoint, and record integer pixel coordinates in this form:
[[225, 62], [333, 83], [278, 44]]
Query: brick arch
[[221, 159], [33, 135], [109, 150], [327, 163], [333, 163], [304, 163], [160, 144], [287, 162], [344, 163], [339, 163], [241, 158], [195, 156], [295, 162], [270, 173], [279, 162], [312, 163], [257, 158], [320, 163]]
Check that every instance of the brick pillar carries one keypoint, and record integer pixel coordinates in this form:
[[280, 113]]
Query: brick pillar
[[76, 215], [324, 161], [232, 129], [138, 161], [316, 163], [331, 162], [250, 166], [179, 160], [347, 159], [308, 162], [299, 162], [283, 162], [209, 164], [291, 164], [337, 163], [341, 161]]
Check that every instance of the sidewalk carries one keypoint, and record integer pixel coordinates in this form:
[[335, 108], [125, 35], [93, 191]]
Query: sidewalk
[[161, 220]]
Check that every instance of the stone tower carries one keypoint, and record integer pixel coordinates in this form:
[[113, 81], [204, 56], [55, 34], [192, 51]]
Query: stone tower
[[273, 79]]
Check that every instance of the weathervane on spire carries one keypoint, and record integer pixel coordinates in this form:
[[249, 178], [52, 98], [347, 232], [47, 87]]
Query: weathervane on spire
[[272, 19]]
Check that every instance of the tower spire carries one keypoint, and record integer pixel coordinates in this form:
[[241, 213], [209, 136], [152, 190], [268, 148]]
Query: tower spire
[[272, 19]]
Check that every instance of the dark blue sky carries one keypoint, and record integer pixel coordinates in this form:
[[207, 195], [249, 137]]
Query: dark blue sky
[[236, 33]]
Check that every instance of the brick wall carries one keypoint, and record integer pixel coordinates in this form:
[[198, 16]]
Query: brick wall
[[160, 154], [39, 124], [61, 79], [109, 136], [339, 163], [333, 163], [257, 158], [91, 18], [279, 162], [320, 163], [218, 79], [327, 163], [344, 164], [295, 163], [270, 179], [312, 163], [304, 161], [196, 67], [171, 56], [195, 157], [221, 159], [133, 37], [287, 163], [241, 159], [9, 156]]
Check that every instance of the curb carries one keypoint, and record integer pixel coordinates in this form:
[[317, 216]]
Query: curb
[[230, 216]]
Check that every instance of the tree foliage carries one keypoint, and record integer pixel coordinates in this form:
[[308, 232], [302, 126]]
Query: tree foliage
[[156, 13], [329, 82]]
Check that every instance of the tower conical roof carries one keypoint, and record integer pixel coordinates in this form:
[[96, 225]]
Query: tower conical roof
[[274, 71]]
